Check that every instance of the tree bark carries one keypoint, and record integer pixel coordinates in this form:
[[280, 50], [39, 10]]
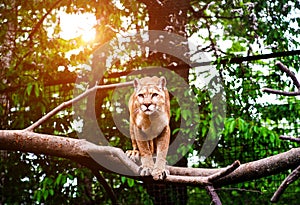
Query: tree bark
[[79, 150]]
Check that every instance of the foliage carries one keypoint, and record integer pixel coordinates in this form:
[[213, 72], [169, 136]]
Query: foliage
[[39, 67]]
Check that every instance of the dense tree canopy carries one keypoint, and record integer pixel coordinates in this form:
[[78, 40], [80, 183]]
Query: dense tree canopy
[[40, 65]]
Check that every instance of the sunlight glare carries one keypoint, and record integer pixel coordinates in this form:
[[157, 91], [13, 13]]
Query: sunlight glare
[[75, 25]]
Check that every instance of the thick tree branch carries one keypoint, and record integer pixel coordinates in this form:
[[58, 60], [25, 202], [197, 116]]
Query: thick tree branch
[[75, 100], [248, 171], [84, 152], [78, 150]]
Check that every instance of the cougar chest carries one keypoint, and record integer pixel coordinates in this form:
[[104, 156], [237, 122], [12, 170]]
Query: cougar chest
[[152, 125]]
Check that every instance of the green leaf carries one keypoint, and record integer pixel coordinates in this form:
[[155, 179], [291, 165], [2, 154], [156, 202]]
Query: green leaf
[[130, 182], [230, 125], [256, 129], [264, 132], [36, 90], [45, 194], [63, 179], [58, 179], [241, 124], [29, 89], [51, 192], [38, 195], [204, 130], [70, 176], [123, 179], [176, 130], [177, 115]]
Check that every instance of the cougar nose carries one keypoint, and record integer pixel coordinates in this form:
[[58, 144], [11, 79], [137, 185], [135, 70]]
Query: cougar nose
[[147, 104]]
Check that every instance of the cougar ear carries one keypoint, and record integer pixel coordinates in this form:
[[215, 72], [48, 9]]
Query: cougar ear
[[136, 84], [163, 83]]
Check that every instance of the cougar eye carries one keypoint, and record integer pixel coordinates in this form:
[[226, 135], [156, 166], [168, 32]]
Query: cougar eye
[[140, 95], [154, 95]]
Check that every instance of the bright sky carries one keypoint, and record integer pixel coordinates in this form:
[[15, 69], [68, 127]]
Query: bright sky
[[75, 25]]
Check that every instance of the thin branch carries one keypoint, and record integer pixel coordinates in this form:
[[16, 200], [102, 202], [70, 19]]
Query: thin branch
[[33, 32], [239, 189], [280, 92], [106, 186], [292, 76], [211, 39], [224, 172], [288, 180], [74, 100], [292, 139], [203, 180], [37, 26], [223, 61], [200, 13], [213, 194], [283, 68]]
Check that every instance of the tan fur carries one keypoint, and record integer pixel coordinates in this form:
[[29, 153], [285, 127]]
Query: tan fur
[[149, 108]]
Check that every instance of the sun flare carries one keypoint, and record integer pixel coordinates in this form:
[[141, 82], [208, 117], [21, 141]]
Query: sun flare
[[75, 25]]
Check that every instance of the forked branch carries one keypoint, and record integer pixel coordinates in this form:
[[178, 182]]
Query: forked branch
[[290, 178], [206, 181], [292, 75], [203, 180], [296, 172]]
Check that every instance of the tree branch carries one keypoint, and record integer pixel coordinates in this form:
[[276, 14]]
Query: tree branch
[[280, 92], [296, 172], [81, 150], [75, 100], [213, 194], [106, 186], [248, 171], [292, 76], [206, 180], [288, 180], [224, 172], [37, 26], [283, 68], [291, 177], [292, 139]]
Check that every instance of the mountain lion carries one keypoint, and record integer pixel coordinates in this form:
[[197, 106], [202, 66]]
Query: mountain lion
[[149, 108]]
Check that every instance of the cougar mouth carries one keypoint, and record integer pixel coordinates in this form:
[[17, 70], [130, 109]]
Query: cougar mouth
[[148, 109]]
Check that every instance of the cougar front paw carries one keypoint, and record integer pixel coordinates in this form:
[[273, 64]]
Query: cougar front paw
[[133, 155], [145, 171], [160, 173]]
